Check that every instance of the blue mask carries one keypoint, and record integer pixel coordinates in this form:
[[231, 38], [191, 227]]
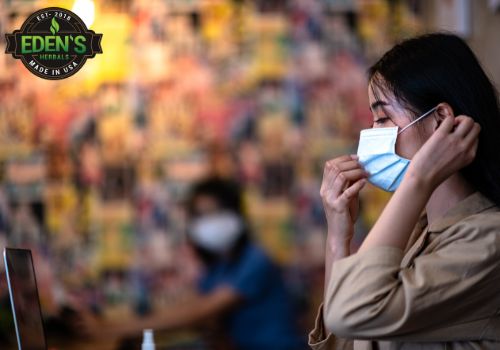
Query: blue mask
[[377, 154]]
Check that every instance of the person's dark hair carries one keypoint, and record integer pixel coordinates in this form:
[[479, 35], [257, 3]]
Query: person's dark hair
[[226, 192], [424, 71], [228, 196]]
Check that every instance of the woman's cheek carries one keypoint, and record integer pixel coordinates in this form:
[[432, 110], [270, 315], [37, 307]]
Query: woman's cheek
[[407, 146]]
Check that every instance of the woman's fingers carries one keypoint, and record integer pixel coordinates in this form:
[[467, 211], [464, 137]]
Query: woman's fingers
[[446, 125], [473, 134], [471, 142], [464, 125], [452, 147], [346, 177], [348, 169], [473, 149], [342, 163], [354, 189], [351, 192], [349, 165], [338, 176], [330, 170], [468, 132], [340, 159], [336, 166]]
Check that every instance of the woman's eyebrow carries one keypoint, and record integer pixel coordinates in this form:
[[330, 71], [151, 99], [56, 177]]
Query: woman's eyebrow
[[378, 103]]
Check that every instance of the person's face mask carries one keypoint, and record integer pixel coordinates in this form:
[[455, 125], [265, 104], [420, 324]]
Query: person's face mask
[[377, 154], [216, 232]]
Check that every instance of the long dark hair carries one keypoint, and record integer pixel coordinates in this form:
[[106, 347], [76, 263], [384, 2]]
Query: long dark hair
[[424, 71], [228, 196]]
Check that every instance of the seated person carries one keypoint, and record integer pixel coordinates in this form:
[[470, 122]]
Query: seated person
[[240, 284]]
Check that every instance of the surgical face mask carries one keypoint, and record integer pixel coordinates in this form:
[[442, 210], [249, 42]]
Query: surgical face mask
[[377, 154], [216, 232]]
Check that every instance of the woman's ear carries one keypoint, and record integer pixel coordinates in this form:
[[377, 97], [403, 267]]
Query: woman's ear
[[443, 110]]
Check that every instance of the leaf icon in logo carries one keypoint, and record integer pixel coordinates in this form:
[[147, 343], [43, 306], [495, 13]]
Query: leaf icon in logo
[[54, 26]]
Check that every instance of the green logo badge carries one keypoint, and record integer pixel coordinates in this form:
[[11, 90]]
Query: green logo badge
[[53, 43]]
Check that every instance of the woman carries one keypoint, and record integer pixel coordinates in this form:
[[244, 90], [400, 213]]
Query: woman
[[251, 295], [428, 274]]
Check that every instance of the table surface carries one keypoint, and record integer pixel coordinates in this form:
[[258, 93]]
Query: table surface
[[163, 340]]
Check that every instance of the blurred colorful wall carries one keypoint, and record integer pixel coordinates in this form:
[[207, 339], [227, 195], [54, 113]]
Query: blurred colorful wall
[[94, 168]]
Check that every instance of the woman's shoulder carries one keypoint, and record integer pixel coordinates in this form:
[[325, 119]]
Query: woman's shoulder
[[474, 223], [476, 212], [487, 221], [256, 252], [479, 231]]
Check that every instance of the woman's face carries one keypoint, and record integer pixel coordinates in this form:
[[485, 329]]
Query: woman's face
[[388, 112], [213, 228], [205, 204]]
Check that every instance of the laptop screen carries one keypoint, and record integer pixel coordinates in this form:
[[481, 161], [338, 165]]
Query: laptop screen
[[24, 299]]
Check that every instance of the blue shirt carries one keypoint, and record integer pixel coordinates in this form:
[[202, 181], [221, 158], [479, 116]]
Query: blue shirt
[[265, 319]]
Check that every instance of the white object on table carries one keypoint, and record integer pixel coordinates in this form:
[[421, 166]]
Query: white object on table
[[147, 340]]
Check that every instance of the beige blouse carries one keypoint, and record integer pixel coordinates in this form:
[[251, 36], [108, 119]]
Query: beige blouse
[[441, 292]]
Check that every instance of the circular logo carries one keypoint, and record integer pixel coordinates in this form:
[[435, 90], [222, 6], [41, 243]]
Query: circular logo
[[53, 43]]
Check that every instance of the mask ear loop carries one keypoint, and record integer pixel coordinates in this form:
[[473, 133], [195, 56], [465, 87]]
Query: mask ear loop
[[416, 120]]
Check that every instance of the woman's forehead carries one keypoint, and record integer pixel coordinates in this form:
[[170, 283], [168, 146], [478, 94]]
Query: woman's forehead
[[205, 203], [376, 92], [379, 97]]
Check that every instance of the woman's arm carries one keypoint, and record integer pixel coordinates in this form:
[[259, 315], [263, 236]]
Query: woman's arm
[[400, 215], [191, 312], [343, 178], [188, 313]]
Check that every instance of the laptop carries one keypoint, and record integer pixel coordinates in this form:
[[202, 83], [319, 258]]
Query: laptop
[[24, 299]]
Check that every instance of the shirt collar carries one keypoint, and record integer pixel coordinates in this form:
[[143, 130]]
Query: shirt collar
[[473, 204]]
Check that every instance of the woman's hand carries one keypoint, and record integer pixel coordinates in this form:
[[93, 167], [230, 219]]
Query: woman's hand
[[343, 178], [451, 147], [91, 327]]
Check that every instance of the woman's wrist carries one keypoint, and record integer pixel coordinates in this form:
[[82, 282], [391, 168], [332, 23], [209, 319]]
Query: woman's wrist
[[419, 180], [339, 234], [339, 247]]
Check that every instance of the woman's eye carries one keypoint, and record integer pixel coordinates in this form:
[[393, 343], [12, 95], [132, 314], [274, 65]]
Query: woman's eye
[[381, 120]]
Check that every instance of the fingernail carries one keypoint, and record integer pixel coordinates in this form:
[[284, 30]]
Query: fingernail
[[354, 156]]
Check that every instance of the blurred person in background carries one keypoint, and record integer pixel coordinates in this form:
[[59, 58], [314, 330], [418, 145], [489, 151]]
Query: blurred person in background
[[240, 285], [427, 276]]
